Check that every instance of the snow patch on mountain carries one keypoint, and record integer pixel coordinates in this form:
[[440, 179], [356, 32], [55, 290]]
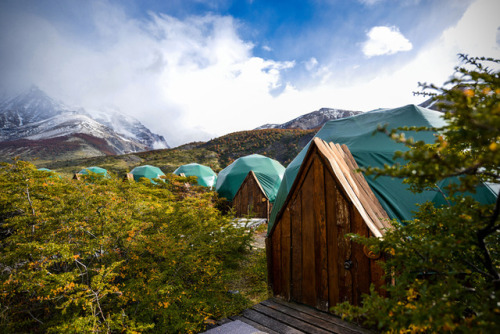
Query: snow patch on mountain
[[63, 125], [269, 126], [34, 115], [312, 120], [128, 126]]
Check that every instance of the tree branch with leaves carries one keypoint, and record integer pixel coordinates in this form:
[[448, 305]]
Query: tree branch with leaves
[[446, 262]]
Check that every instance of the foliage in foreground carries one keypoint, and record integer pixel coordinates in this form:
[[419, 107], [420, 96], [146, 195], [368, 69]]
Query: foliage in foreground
[[445, 263], [102, 255]]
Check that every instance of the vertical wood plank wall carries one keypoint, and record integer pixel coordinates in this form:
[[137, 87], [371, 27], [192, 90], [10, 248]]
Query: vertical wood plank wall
[[308, 248], [251, 199]]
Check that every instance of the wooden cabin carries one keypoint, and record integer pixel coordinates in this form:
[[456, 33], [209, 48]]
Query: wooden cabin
[[251, 198], [310, 260]]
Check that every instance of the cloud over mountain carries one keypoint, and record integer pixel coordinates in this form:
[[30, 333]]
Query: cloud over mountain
[[180, 76], [385, 41], [197, 74]]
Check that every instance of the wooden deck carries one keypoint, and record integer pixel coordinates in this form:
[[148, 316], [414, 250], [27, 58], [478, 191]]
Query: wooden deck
[[277, 316]]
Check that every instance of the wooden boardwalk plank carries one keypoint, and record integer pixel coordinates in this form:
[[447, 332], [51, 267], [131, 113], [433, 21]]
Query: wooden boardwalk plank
[[349, 328], [329, 326], [276, 316], [315, 321], [289, 320], [269, 322], [254, 324]]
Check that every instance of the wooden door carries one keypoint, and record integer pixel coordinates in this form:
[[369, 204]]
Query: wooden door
[[321, 260]]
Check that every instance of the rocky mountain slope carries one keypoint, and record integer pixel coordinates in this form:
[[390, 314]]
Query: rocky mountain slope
[[312, 120], [33, 119], [67, 139], [278, 143]]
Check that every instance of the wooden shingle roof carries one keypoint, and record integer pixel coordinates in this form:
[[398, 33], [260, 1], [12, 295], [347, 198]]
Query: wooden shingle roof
[[342, 164]]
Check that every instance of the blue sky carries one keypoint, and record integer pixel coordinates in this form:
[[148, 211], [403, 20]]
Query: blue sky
[[196, 69]]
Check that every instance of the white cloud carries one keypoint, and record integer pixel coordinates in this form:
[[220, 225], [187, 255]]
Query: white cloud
[[370, 2], [474, 34], [374, 2], [189, 79], [241, 99], [311, 64], [385, 41], [195, 79], [393, 86]]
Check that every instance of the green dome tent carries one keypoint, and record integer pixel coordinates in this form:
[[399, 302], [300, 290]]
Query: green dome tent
[[49, 172], [94, 169], [147, 171], [375, 150], [206, 176], [268, 171]]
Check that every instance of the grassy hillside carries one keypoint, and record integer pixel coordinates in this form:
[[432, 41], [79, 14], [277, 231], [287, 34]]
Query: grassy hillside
[[280, 144], [59, 148], [167, 159]]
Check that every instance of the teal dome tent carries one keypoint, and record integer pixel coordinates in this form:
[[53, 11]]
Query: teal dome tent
[[268, 171], [49, 172], [206, 176], [147, 171], [375, 150], [97, 170]]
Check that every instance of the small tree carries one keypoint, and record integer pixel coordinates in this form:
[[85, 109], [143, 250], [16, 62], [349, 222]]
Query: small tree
[[445, 263]]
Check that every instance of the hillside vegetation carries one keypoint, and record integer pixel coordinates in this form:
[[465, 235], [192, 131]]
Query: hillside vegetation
[[103, 255], [280, 144], [445, 263], [60, 148]]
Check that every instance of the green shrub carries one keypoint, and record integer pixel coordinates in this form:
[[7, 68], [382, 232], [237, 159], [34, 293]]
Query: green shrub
[[445, 263], [113, 256]]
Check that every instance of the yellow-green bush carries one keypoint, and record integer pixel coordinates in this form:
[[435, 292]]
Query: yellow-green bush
[[445, 264], [104, 255]]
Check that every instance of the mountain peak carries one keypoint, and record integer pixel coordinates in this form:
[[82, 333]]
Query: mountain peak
[[34, 88], [32, 105], [32, 93], [34, 115], [312, 120]]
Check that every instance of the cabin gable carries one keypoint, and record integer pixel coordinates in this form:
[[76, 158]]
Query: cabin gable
[[310, 259], [251, 198]]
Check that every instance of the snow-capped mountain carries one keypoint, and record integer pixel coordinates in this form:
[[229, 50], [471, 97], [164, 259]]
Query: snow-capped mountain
[[34, 116], [312, 120], [128, 126], [29, 107]]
